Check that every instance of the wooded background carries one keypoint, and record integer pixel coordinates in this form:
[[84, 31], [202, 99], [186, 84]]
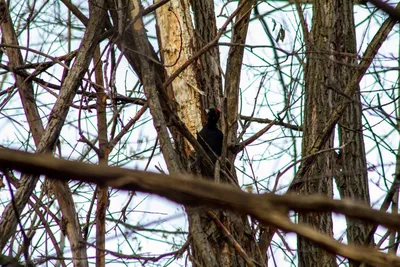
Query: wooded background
[[101, 101]]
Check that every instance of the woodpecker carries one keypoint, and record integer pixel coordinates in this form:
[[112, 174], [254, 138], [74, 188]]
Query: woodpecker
[[211, 136]]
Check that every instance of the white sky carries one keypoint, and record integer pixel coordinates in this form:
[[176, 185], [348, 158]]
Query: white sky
[[158, 208]]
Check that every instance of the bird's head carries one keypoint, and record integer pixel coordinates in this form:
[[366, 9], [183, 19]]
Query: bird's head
[[213, 116]]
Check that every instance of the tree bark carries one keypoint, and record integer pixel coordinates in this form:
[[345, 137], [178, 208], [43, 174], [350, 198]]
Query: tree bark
[[351, 170], [209, 70], [269, 209], [209, 246], [177, 44], [49, 136], [232, 80], [319, 102], [103, 152]]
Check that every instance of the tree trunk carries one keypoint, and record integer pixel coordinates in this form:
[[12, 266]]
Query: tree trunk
[[351, 170], [177, 44], [210, 247], [101, 192], [319, 102], [209, 70], [45, 140]]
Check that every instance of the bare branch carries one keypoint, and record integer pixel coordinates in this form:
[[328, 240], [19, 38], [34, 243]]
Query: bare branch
[[269, 209]]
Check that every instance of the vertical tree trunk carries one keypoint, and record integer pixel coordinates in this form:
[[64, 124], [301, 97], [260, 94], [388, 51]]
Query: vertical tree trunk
[[394, 236], [351, 172], [102, 192], [45, 140], [232, 80], [319, 102], [209, 71], [177, 45], [210, 247]]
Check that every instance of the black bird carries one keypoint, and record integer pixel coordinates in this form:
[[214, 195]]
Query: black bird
[[211, 136]]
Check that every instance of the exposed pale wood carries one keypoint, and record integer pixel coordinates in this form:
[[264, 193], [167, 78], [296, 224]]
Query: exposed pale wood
[[206, 235], [177, 45], [152, 79]]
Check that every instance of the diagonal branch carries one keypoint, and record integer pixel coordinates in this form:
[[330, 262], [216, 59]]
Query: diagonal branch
[[269, 209], [275, 122], [231, 239], [350, 89], [49, 137]]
